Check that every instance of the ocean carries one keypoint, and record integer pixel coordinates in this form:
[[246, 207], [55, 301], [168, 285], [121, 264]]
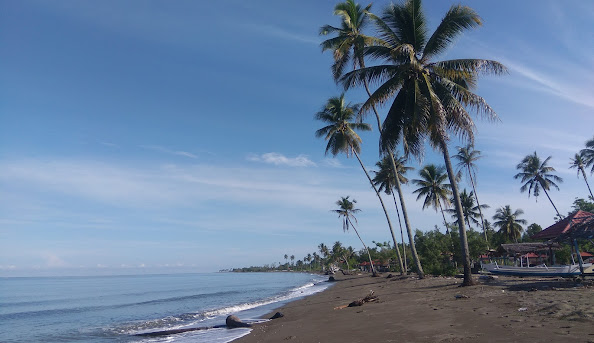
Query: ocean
[[100, 309]]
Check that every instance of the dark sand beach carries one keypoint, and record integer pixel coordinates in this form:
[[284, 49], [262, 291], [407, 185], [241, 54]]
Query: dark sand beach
[[435, 309]]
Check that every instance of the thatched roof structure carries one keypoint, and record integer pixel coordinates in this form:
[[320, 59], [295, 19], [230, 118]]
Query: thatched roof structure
[[523, 248]]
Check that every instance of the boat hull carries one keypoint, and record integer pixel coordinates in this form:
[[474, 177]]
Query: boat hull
[[569, 270]]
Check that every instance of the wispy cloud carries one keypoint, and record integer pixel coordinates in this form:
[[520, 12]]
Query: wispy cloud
[[568, 90], [280, 159], [168, 151], [275, 31], [332, 162]]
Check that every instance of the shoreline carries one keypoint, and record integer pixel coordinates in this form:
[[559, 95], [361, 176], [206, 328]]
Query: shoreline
[[435, 309]]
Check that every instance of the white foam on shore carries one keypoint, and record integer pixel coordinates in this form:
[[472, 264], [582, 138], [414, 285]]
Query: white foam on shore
[[216, 335]]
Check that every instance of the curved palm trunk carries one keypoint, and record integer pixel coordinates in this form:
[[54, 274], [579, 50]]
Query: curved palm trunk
[[445, 222], [478, 204], [385, 211], [587, 184], [413, 249], [401, 233], [411, 239], [365, 246], [547, 193], [457, 204]]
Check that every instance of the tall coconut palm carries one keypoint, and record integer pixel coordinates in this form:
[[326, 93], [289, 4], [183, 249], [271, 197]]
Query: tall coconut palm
[[384, 180], [470, 210], [466, 157], [341, 137], [430, 98], [508, 223], [350, 37], [579, 162], [346, 210], [588, 154], [432, 186], [537, 175]]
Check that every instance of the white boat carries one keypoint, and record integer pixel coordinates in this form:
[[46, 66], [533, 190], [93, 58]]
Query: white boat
[[539, 270]]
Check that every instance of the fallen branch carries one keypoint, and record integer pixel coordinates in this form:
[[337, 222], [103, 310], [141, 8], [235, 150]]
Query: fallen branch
[[359, 302]]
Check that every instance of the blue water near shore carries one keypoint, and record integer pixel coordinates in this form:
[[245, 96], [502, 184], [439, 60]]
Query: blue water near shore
[[100, 309]]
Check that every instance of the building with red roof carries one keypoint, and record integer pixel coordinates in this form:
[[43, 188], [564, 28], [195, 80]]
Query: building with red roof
[[563, 226]]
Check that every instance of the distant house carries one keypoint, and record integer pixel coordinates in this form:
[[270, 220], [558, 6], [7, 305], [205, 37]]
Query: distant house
[[380, 266]]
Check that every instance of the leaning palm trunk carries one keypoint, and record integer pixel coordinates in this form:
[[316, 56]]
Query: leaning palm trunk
[[364, 246], [411, 239], [587, 184], [401, 233], [445, 222], [547, 193], [478, 205], [402, 271], [457, 204]]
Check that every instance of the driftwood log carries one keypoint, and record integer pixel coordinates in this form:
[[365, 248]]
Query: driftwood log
[[359, 302]]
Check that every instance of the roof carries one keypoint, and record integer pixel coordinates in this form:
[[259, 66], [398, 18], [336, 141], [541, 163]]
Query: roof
[[586, 254], [561, 227], [522, 248]]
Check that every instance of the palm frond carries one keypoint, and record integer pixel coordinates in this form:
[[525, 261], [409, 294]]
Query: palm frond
[[473, 66], [456, 20], [328, 29]]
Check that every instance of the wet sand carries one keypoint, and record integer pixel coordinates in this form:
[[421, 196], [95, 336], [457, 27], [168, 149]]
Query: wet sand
[[435, 309]]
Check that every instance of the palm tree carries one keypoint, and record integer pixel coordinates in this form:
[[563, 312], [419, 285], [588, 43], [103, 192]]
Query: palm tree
[[588, 154], [292, 259], [430, 97], [579, 162], [346, 210], [350, 37], [341, 137], [384, 180], [432, 186], [466, 157], [286, 259], [470, 210], [508, 223], [536, 175]]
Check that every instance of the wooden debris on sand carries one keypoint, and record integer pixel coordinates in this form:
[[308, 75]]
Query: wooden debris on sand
[[359, 302]]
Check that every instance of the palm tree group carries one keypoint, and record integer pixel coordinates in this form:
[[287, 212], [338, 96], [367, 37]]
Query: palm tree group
[[430, 99], [341, 136], [348, 48]]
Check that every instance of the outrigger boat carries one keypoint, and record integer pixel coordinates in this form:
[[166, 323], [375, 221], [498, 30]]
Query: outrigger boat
[[539, 270]]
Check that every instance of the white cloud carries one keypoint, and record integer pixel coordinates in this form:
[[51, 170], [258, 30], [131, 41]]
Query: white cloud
[[279, 159]]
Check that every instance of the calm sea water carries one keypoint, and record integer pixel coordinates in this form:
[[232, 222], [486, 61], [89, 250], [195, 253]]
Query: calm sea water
[[114, 308]]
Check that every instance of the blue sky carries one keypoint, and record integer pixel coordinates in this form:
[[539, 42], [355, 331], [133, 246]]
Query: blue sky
[[179, 136]]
